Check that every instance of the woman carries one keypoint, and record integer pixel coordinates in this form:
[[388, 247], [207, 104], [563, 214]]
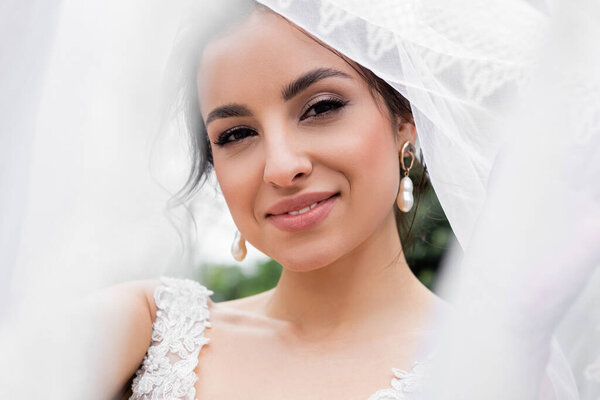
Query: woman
[[306, 152], [315, 129]]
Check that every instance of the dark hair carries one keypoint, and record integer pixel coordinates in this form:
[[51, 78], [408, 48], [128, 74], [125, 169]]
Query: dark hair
[[201, 153]]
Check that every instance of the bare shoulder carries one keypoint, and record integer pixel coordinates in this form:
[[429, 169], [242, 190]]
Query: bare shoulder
[[145, 290], [125, 312], [141, 294], [134, 297]]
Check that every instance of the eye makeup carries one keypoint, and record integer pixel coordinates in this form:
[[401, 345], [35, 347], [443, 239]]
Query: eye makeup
[[318, 108], [234, 135], [322, 107]]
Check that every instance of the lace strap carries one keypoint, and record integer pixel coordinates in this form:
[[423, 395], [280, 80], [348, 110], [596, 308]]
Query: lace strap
[[167, 371]]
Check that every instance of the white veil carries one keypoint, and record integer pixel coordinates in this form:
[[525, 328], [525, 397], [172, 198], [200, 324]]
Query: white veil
[[83, 187], [507, 89]]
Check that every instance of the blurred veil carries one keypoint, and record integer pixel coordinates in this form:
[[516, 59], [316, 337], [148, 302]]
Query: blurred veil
[[506, 99], [89, 165]]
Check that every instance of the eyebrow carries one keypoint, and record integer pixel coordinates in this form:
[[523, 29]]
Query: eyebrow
[[307, 79], [228, 111], [289, 91]]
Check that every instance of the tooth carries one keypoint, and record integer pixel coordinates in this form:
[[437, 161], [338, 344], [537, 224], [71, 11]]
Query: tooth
[[302, 211]]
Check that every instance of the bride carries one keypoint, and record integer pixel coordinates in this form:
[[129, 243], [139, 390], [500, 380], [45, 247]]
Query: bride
[[312, 119], [306, 149]]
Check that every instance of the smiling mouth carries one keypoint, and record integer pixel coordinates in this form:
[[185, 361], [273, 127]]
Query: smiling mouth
[[306, 209], [305, 217]]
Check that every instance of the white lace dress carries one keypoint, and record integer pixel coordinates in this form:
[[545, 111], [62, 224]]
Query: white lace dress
[[167, 371]]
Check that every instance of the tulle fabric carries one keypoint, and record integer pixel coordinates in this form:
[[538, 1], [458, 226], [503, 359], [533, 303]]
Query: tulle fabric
[[506, 101]]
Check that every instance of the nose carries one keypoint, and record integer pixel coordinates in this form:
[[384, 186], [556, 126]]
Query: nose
[[285, 161]]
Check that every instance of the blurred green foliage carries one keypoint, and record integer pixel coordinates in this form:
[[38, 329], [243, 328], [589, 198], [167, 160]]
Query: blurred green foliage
[[431, 232], [232, 282], [433, 237]]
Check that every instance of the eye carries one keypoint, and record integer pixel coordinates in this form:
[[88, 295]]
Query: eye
[[234, 135], [323, 107]]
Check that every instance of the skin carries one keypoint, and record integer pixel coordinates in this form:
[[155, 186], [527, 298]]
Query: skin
[[347, 305]]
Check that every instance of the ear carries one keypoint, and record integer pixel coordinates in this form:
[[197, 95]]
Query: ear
[[405, 130]]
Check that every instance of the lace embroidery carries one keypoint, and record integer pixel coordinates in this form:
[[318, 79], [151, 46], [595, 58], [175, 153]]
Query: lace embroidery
[[380, 41], [404, 383], [167, 371], [332, 17]]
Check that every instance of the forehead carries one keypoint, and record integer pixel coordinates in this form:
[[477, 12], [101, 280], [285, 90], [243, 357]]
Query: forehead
[[257, 58]]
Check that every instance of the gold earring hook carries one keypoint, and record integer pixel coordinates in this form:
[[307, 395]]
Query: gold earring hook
[[412, 157]]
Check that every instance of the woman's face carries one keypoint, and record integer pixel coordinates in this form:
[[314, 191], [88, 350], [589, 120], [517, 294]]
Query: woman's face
[[305, 157]]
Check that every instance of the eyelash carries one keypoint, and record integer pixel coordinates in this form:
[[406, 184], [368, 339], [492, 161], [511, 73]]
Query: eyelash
[[335, 102], [224, 138]]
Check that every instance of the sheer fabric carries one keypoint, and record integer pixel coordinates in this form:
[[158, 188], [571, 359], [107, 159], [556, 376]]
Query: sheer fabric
[[506, 103]]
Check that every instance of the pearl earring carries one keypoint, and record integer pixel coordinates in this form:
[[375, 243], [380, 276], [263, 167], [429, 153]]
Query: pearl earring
[[238, 247], [405, 199]]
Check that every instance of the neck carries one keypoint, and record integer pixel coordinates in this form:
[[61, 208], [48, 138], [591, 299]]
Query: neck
[[370, 286]]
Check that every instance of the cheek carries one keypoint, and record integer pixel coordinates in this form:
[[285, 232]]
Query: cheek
[[238, 187], [370, 162]]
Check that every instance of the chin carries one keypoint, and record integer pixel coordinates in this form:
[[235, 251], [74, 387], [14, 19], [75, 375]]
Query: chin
[[307, 260]]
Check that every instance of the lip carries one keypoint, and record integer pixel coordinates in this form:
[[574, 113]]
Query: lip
[[298, 202], [278, 213]]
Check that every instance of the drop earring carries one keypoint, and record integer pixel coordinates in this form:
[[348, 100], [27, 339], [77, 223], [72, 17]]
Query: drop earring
[[405, 199], [238, 247]]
